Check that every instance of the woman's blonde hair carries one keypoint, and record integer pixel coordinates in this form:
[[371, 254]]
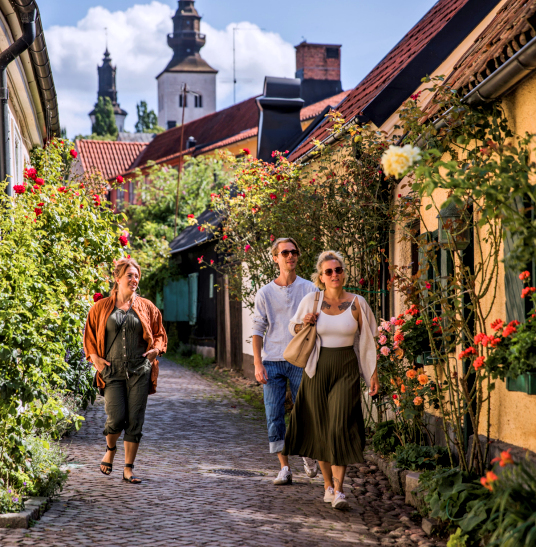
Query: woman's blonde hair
[[324, 257], [121, 266]]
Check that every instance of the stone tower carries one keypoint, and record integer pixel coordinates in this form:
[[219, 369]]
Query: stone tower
[[186, 68], [107, 88]]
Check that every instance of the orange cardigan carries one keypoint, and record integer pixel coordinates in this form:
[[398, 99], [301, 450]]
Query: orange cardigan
[[153, 331]]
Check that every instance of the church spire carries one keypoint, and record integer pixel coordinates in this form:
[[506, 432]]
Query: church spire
[[186, 41], [107, 88]]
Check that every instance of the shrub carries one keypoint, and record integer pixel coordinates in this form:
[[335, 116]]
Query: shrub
[[385, 440], [420, 458]]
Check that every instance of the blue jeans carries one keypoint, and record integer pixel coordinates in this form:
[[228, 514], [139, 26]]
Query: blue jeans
[[275, 392]]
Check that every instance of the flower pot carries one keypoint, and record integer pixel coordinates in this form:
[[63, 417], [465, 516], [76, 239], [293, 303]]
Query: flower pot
[[525, 383]]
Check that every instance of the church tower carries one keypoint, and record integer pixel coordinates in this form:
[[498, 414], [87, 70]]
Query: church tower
[[186, 68], [107, 88]]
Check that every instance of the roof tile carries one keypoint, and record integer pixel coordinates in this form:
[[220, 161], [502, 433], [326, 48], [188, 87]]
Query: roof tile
[[108, 157], [391, 65]]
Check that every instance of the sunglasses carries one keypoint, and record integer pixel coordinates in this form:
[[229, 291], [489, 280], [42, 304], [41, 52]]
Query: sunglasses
[[329, 272], [285, 253]]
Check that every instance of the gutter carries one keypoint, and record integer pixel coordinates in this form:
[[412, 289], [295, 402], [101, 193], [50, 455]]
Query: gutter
[[495, 85], [508, 75], [27, 18], [40, 62]]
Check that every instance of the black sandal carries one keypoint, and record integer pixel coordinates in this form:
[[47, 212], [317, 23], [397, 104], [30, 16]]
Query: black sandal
[[109, 466], [132, 479]]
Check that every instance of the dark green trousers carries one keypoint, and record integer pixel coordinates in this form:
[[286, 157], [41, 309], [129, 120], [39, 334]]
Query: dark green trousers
[[125, 397]]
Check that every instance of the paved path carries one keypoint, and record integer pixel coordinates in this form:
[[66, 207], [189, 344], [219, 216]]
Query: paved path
[[193, 429]]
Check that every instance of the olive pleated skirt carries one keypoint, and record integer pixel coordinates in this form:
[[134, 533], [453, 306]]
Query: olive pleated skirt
[[326, 423]]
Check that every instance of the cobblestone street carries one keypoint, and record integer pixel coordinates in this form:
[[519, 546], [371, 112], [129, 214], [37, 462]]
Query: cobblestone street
[[195, 428]]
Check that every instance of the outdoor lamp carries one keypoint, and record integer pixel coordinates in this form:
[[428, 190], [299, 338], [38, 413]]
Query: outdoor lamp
[[453, 228]]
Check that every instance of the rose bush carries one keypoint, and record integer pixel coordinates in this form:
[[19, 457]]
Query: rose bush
[[57, 245]]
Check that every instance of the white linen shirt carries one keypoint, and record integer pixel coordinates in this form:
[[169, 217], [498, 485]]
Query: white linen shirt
[[274, 306]]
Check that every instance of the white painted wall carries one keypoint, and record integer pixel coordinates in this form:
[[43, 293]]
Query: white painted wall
[[170, 88]]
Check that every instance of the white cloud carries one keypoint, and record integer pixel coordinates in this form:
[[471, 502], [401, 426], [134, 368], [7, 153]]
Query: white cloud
[[138, 47]]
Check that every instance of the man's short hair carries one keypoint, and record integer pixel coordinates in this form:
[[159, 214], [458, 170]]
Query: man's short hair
[[276, 243]]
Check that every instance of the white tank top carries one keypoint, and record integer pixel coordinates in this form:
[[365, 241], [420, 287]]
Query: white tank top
[[337, 331]]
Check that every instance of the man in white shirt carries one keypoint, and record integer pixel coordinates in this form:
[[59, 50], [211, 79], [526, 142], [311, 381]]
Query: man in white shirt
[[275, 305]]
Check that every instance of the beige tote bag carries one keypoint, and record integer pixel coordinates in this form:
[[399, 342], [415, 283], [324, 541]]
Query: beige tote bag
[[300, 347]]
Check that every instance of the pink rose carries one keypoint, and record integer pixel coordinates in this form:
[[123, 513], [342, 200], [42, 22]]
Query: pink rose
[[383, 340], [247, 248], [385, 351]]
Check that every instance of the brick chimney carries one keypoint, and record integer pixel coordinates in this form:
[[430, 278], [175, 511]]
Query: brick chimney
[[318, 66]]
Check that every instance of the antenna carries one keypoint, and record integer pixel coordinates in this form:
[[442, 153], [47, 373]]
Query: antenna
[[234, 57]]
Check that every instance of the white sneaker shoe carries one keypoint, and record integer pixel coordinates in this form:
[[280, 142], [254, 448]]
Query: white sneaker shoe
[[340, 501], [329, 494], [284, 476], [310, 467]]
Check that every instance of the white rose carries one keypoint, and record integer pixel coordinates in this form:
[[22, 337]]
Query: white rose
[[396, 160]]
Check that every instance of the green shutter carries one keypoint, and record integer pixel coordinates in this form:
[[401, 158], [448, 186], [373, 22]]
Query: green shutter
[[176, 300], [192, 297]]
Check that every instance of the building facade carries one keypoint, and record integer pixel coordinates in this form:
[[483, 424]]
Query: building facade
[[187, 78]]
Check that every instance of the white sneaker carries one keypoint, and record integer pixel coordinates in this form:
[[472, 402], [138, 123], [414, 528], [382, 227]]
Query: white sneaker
[[310, 467], [340, 501], [284, 476], [329, 494]]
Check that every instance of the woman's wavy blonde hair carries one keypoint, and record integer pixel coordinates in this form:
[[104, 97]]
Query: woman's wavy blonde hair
[[324, 257], [121, 266]]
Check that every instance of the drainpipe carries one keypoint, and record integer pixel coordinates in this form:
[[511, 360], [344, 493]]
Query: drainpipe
[[27, 18]]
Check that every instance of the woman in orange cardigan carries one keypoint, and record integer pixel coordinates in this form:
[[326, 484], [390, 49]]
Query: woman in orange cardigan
[[123, 336]]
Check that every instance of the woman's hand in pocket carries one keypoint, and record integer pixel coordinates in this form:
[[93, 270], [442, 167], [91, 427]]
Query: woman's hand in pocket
[[152, 354], [98, 362]]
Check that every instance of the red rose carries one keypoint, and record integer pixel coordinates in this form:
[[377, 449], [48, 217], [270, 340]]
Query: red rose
[[246, 151], [119, 179], [62, 190], [361, 281], [190, 216], [38, 211], [39, 181], [73, 153], [19, 188], [123, 240], [97, 296], [225, 237], [31, 173], [200, 259], [273, 196], [82, 185]]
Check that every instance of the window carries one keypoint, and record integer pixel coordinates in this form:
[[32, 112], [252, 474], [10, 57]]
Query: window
[[211, 286], [192, 297], [516, 307], [332, 53], [198, 101], [183, 97]]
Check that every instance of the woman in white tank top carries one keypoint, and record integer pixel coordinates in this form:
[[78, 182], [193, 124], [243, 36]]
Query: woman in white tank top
[[327, 421]]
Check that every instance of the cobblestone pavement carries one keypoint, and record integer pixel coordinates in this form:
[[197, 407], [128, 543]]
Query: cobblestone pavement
[[193, 429]]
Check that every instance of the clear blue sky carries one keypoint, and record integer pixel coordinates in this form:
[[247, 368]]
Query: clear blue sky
[[367, 29]]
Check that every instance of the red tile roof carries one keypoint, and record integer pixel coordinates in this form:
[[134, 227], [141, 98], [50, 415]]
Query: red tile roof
[[173, 139], [209, 129], [108, 157], [511, 28], [391, 65]]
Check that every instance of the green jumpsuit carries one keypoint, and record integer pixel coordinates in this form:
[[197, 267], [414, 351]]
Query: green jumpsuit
[[127, 378]]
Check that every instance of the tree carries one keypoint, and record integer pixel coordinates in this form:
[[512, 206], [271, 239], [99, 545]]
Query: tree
[[147, 120], [151, 224], [104, 118]]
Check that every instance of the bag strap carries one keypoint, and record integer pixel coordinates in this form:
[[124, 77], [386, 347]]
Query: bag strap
[[316, 301], [120, 327]]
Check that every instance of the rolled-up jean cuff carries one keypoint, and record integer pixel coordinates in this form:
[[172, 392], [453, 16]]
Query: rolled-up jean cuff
[[276, 447]]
